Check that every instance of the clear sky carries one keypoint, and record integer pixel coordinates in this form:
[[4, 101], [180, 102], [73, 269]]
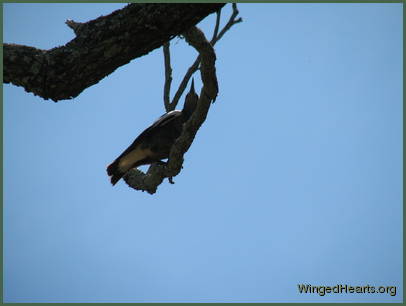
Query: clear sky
[[295, 177]]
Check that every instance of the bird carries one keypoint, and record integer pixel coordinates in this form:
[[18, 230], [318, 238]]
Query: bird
[[155, 142]]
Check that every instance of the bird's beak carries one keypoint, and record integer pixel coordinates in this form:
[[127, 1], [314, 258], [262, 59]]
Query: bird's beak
[[192, 87]]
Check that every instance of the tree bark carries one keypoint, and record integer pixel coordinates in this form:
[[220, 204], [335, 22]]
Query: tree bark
[[100, 47]]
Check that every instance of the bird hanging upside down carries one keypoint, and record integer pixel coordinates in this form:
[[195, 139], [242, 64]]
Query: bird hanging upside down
[[154, 144]]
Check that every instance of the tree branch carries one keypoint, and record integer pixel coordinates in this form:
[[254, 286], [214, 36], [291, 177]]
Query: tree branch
[[168, 76], [216, 27], [157, 173], [195, 66], [100, 47], [232, 21]]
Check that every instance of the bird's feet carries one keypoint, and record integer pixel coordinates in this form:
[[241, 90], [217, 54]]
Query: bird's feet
[[161, 163]]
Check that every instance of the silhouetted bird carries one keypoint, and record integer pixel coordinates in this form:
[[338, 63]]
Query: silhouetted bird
[[154, 144]]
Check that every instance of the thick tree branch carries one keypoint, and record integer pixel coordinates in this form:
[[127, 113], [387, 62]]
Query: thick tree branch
[[157, 173], [100, 47]]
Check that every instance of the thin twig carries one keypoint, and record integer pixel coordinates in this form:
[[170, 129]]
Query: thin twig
[[168, 76], [192, 69], [232, 21], [216, 28], [195, 66]]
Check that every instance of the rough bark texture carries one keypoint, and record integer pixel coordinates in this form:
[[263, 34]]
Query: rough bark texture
[[100, 47]]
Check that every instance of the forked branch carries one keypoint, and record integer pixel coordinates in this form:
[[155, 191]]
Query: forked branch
[[158, 172], [216, 37]]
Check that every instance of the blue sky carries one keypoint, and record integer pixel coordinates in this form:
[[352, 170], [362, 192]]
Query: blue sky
[[295, 177]]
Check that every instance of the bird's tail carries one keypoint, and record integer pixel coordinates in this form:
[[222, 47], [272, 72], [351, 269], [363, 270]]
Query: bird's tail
[[114, 172]]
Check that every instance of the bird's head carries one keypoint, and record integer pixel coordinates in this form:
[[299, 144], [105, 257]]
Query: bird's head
[[190, 102]]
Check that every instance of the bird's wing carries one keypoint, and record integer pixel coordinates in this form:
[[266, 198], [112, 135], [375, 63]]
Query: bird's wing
[[164, 119], [160, 122], [135, 153]]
